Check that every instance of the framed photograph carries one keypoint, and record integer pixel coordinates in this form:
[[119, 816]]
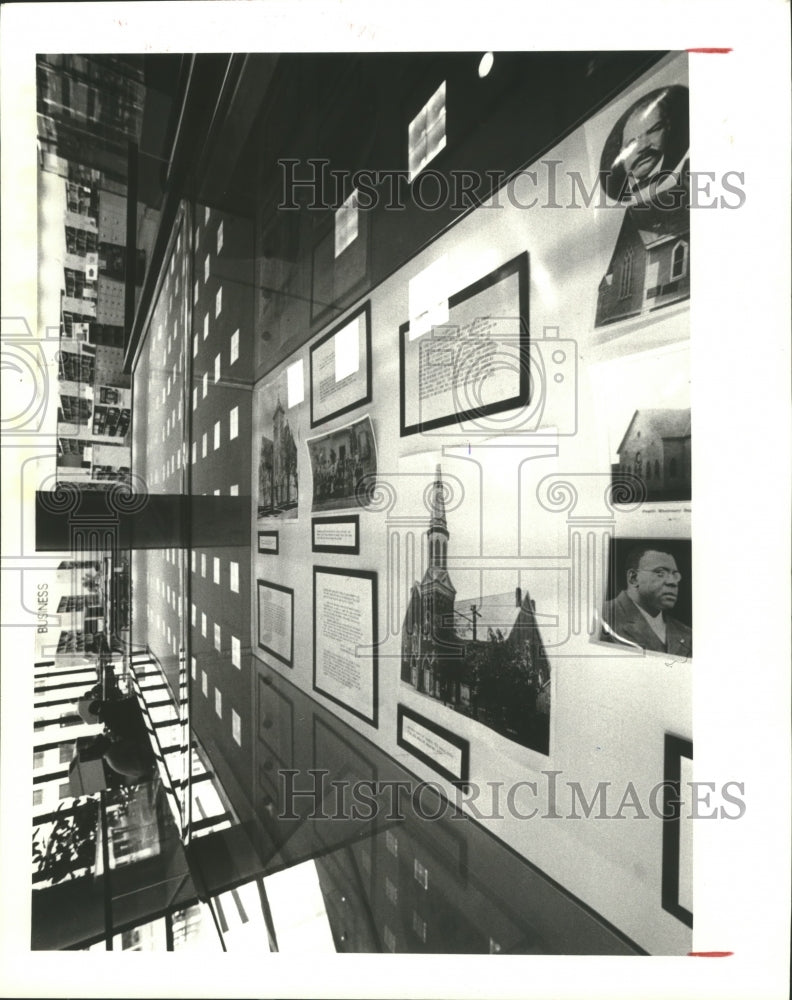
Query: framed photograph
[[336, 534], [476, 364], [649, 578], [268, 543], [434, 745], [677, 873], [344, 464], [276, 620], [345, 639], [340, 368]]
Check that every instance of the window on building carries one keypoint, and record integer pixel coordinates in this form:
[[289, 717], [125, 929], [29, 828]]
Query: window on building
[[625, 281], [64, 791], [66, 752], [38, 796], [679, 260], [427, 132], [346, 223], [38, 760]]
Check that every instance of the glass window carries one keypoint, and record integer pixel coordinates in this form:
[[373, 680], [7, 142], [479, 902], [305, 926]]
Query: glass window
[[346, 223], [427, 132]]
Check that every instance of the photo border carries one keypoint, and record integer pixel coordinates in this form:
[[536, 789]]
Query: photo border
[[460, 781], [351, 550], [675, 748], [365, 311], [519, 265], [371, 576], [268, 552], [286, 590]]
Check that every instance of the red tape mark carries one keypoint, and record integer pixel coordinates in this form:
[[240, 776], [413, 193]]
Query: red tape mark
[[716, 51], [709, 954]]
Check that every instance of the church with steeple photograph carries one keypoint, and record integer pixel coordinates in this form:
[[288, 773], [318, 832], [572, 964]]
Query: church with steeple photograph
[[480, 656]]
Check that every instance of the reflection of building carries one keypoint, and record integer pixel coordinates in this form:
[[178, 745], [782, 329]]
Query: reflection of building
[[650, 264], [277, 467], [656, 449], [478, 657]]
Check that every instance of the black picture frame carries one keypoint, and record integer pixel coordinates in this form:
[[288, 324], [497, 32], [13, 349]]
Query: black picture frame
[[676, 747], [268, 584], [352, 550], [268, 534], [371, 577], [460, 780], [365, 312], [518, 265]]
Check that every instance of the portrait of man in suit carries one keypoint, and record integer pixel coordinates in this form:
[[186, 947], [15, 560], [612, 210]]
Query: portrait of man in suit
[[647, 149], [640, 614]]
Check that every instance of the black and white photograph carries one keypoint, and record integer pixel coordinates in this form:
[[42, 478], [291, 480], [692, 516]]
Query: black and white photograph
[[480, 655], [344, 466], [648, 598], [648, 424], [354, 524], [645, 166], [277, 463]]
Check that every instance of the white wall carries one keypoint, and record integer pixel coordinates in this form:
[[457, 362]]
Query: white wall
[[610, 711]]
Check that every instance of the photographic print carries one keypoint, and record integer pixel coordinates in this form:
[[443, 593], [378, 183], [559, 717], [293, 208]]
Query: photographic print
[[276, 620], [278, 480], [655, 450], [648, 597], [646, 414], [447, 374], [341, 461], [340, 365], [644, 166], [481, 656]]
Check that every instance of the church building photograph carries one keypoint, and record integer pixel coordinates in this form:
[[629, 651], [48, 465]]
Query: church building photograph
[[480, 656]]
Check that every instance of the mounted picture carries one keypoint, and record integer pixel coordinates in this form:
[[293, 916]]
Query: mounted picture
[[268, 543], [344, 466], [336, 534], [436, 746], [277, 418], [345, 639], [482, 656], [276, 621], [648, 596], [340, 365], [477, 362], [677, 878], [644, 166]]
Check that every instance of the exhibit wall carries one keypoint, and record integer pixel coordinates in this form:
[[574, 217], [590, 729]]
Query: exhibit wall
[[452, 480]]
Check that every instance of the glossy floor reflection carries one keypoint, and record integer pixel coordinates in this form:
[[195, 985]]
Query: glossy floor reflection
[[398, 867]]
